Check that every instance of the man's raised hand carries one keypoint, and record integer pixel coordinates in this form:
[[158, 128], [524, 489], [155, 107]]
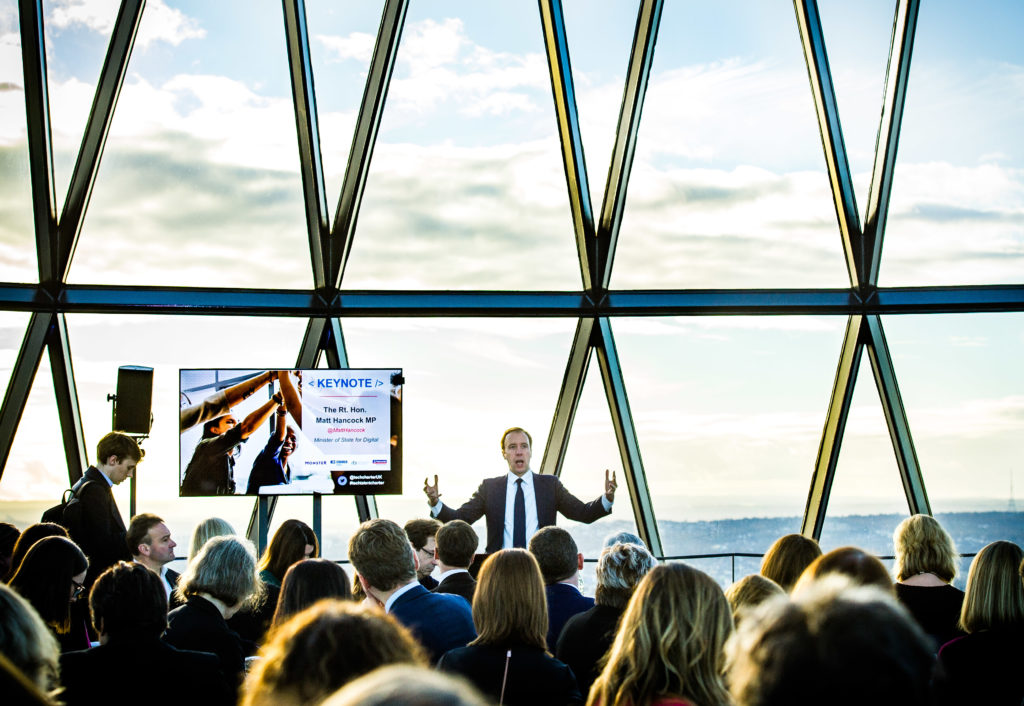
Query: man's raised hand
[[431, 491], [609, 485]]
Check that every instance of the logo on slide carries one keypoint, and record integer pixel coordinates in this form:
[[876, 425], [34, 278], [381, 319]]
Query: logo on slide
[[342, 480]]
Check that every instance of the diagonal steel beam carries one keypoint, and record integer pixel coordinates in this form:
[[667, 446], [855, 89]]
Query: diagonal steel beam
[[20, 385], [314, 190], [896, 78], [67, 397], [835, 426], [568, 398], [637, 74], [40, 145], [382, 65], [625, 434], [83, 178], [843, 195], [557, 46], [896, 417]]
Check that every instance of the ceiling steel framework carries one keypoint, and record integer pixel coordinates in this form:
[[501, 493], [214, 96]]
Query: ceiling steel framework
[[594, 305]]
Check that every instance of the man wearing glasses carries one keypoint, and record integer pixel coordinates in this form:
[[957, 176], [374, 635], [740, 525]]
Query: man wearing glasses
[[421, 535]]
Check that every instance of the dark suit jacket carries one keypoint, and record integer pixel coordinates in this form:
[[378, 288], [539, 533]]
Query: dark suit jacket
[[101, 533], [983, 667], [198, 625], [122, 672], [534, 677], [564, 601], [461, 584], [585, 639], [552, 498], [440, 621], [172, 577]]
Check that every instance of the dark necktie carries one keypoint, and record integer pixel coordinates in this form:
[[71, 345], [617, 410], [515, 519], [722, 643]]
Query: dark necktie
[[519, 517]]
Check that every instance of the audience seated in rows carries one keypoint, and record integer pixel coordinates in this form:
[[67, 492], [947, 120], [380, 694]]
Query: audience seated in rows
[[410, 686], [51, 575], [835, 642], [586, 637], [129, 609], [220, 581], [985, 665], [508, 660], [421, 533], [748, 593], [560, 565], [293, 541], [31, 535], [926, 564], [456, 544], [386, 565], [787, 558], [307, 582], [319, 650], [862, 568], [27, 642], [669, 648]]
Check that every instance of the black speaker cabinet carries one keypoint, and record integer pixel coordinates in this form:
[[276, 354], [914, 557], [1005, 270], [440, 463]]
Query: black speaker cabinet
[[133, 409]]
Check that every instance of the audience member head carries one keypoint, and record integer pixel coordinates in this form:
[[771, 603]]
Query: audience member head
[[922, 546], [410, 686], [862, 568], [8, 538], [457, 542], [26, 642], [117, 448], [834, 642], [225, 569], [206, 530], [307, 582], [509, 606], [670, 641], [381, 555], [619, 569], [623, 538], [128, 601], [49, 577], [556, 553], [994, 596], [31, 535], [321, 649], [293, 541], [749, 592], [787, 558], [149, 541], [422, 535]]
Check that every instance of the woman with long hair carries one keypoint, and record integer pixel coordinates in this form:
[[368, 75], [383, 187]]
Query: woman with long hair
[[926, 564], [509, 660], [984, 666], [28, 537], [206, 530], [51, 575], [787, 558], [307, 582], [669, 649]]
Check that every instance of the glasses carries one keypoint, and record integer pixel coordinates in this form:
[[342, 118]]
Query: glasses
[[77, 590]]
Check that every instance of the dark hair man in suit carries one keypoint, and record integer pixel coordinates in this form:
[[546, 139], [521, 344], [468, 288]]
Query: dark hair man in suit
[[421, 534], [560, 564], [520, 502], [456, 547], [151, 545]]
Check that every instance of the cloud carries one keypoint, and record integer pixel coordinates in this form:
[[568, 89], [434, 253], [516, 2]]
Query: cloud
[[160, 23], [357, 45]]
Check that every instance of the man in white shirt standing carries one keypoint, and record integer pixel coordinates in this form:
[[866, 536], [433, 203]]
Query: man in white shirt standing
[[149, 541], [520, 502]]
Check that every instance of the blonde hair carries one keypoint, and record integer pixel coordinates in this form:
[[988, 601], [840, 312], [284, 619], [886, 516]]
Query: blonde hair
[[225, 569], [922, 546], [323, 648], [994, 595], [403, 684], [27, 642], [510, 605], [750, 591], [670, 642], [787, 558], [206, 530]]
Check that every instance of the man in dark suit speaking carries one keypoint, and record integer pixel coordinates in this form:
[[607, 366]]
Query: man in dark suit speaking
[[520, 502]]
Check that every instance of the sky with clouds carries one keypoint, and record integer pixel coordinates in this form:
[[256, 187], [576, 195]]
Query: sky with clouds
[[200, 184]]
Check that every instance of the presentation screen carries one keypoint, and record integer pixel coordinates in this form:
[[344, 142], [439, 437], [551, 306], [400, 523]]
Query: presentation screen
[[290, 432]]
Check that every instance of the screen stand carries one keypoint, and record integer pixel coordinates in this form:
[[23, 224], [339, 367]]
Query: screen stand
[[317, 519], [263, 521]]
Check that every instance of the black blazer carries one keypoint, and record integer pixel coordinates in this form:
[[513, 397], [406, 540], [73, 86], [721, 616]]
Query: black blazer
[[564, 601], [122, 672], [585, 639], [552, 498], [461, 584], [101, 534], [534, 677], [198, 625]]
